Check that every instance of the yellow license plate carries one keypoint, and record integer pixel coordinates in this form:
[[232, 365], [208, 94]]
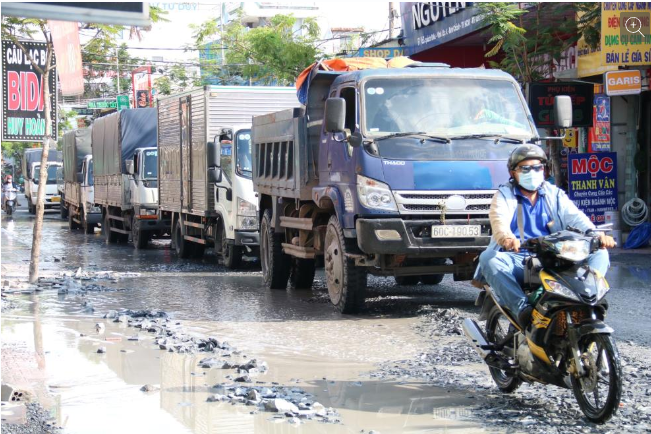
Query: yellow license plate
[[55, 199]]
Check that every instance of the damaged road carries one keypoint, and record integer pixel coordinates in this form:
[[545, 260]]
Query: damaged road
[[188, 346]]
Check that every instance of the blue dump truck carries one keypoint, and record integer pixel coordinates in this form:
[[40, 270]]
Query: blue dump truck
[[384, 171]]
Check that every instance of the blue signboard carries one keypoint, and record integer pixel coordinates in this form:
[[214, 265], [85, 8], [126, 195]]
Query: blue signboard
[[593, 183], [426, 25], [384, 53]]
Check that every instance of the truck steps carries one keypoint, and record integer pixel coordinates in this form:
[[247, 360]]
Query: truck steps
[[299, 252], [194, 225], [297, 223], [120, 231], [194, 239]]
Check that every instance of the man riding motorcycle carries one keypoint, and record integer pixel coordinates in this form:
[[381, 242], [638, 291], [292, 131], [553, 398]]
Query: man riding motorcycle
[[7, 185], [528, 207]]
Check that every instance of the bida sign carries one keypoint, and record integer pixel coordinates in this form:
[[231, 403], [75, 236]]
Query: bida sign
[[23, 114]]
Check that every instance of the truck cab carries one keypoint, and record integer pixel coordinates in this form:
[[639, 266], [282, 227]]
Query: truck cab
[[92, 212], [52, 198], [235, 201]]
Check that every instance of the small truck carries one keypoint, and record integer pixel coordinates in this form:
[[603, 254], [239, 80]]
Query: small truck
[[31, 167], [125, 160], [204, 179], [78, 202]]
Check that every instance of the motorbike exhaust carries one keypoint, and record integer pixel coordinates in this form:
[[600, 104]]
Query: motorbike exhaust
[[474, 333]]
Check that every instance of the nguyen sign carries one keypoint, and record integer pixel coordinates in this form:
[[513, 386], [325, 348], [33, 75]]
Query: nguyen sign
[[592, 183], [23, 114], [625, 38]]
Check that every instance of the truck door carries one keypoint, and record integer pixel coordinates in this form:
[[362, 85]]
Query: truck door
[[340, 163], [186, 140], [224, 190]]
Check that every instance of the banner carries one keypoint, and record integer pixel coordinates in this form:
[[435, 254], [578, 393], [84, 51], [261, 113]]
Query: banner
[[625, 38], [541, 102], [592, 183], [65, 38], [141, 80], [599, 138], [23, 114]]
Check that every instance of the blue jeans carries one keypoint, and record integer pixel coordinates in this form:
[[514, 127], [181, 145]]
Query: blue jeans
[[504, 272]]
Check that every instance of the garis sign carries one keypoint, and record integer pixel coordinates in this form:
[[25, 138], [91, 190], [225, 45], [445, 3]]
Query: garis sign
[[593, 183], [23, 115], [541, 102]]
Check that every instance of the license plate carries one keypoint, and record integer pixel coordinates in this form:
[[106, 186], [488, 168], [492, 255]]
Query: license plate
[[460, 231], [55, 199]]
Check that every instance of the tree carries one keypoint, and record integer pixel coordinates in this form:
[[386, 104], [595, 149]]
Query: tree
[[272, 54], [13, 29], [65, 121], [176, 79]]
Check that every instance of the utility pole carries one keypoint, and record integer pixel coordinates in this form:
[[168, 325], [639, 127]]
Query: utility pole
[[117, 65], [391, 19]]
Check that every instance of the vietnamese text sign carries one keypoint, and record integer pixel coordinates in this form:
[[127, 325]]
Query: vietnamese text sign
[[541, 102], [122, 102], [592, 183], [65, 37], [23, 114], [625, 38], [102, 104], [384, 53], [599, 140]]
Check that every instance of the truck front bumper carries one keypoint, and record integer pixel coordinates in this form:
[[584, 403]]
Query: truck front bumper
[[149, 224], [247, 238], [94, 218], [52, 201], [415, 239]]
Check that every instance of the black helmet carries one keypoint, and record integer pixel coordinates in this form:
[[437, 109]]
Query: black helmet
[[526, 152]]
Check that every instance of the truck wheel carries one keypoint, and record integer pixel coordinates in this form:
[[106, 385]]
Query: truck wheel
[[407, 280], [231, 254], [182, 246], [88, 228], [63, 211], [72, 225], [275, 263], [110, 236], [31, 208], [140, 238], [346, 282], [432, 279], [302, 274]]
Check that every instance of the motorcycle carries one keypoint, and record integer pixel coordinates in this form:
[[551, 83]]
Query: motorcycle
[[9, 200], [567, 342]]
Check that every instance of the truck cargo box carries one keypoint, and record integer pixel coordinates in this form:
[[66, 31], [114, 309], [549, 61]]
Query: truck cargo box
[[76, 145], [33, 155]]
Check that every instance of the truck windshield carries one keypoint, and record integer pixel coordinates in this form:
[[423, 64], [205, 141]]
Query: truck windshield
[[444, 107], [150, 164], [243, 153], [51, 174]]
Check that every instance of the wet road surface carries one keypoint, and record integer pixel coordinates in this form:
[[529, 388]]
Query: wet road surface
[[305, 342]]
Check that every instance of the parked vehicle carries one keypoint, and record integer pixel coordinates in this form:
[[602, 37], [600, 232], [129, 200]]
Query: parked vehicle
[[78, 197], [61, 191], [205, 185], [9, 199], [125, 160], [32, 169], [384, 171], [567, 343]]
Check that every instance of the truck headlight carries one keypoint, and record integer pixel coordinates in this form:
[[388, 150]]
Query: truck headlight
[[247, 222], [375, 195], [245, 208]]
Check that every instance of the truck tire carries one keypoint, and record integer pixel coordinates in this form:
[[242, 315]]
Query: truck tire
[[407, 280], [182, 246], [72, 225], [432, 279], [30, 207], [230, 253], [140, 238], [275, 263], [302, 274], [346, 282], [63, 212], [88, 228], [110, 236]]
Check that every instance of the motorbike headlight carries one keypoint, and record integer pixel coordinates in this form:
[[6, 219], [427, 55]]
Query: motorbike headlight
[[560, 289], [245, 208], [575, 251], [375, 195], [602, 287], [247, 222]]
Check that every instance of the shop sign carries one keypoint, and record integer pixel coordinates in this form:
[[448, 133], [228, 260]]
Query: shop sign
[[101, 104], [122, 102], [625, 38], [600, 132], [541, 102], [23, 114], [384, 53], [65, 38], [627, 82], [141, 81], [592, 183], [427, 25]]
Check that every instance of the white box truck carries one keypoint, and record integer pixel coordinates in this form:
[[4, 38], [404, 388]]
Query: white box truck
[[31, 172]]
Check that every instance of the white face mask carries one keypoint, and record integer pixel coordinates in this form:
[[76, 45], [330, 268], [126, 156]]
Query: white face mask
[[532, 180]]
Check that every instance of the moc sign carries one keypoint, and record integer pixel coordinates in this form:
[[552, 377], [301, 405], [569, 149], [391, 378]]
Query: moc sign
[[627, 82], [23, 114], [592, 183]]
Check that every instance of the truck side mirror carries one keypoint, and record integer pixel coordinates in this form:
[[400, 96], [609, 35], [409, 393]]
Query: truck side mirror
[[213, 149], [80, 177], [563, 111], [335, 115], [214, 174], [129, 164]]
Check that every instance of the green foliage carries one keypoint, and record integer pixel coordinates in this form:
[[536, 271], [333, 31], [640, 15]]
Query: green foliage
[[274, 53], [589, 23], [176, 79], [65, 121]]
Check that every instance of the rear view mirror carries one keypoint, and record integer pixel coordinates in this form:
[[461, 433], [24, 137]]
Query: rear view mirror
[[335, 115], [212, 153], [563, 111], [214, 175], [129, 164]]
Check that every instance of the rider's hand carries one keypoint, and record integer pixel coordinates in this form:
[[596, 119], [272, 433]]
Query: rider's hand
[[607, 242], [511, 244]]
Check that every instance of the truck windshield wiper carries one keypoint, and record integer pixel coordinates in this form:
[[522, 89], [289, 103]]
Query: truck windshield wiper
[[418, 133], [498, 137]]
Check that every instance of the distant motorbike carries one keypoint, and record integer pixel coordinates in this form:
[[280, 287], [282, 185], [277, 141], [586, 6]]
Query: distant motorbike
[[9, 200], [567, 343]]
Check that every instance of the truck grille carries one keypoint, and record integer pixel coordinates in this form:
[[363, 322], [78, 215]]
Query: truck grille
[[473, 203]]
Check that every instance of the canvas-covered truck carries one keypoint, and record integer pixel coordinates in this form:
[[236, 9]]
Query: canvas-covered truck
[[125, 160], [205, 182], [384, 171], [78, 196], [31, 167]]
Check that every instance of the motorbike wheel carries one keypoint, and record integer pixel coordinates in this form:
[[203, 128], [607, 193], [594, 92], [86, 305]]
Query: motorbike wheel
[[498, 328], [599, 392]]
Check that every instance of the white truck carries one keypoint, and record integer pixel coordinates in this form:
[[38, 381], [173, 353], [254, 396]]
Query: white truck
[[205, 187], [78, 203], [125, 159], [31, 172]]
